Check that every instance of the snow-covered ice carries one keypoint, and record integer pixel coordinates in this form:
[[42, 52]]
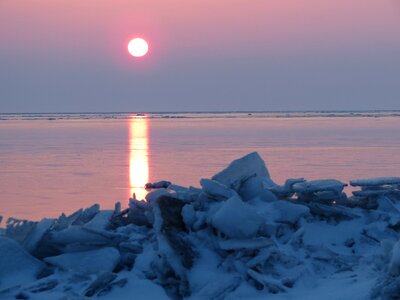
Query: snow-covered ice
[[239, 236]]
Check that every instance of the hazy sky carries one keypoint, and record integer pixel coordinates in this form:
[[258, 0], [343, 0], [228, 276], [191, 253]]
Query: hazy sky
[[71, 55]]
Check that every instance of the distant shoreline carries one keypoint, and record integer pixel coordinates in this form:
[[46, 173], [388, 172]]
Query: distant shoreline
[[199, 115], [206, 112]]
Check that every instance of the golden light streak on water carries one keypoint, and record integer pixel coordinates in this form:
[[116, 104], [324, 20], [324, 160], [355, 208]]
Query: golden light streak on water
[[138, 156]]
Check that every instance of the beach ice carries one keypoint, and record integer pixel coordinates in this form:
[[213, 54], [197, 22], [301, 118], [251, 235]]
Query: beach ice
[[239, 236]]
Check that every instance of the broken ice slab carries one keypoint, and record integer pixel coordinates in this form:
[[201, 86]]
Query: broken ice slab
[[245, 244], [256, 186], [101, 220], [322, 185], [218, 287], [16, 265], [394, 265], [87, 262], [286, 190], [290, 212], [157, 185], [261, 257], [19, 229], [79, 217], [36, 235], [80, 235], [332, 211], [372, 188], [100, 283], [242, 169], [273, 285], [237, 219], [216, 190], [168, 221], [374, 193], [375, 181]]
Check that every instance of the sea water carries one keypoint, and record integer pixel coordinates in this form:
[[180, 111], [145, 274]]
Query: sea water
[[53, 163]]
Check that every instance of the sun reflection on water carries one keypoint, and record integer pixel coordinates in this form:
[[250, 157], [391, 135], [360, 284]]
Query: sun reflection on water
[[138, 156]]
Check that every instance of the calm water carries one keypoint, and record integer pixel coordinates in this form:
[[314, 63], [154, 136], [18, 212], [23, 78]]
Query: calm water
[[58, 163]]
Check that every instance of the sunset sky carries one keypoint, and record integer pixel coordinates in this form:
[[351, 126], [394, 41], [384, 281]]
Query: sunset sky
[[71, 56]]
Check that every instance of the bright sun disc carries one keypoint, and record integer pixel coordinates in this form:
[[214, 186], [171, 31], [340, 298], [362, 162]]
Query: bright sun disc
[[138, 47]]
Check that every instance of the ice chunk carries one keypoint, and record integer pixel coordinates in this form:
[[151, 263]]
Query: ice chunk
[[215, 189], [218, 287], [87, 262], [78, 234], [34, 238], [171, 213], [394, 265], [157, 185], [188, 215], [100, 220], [79, 217], [237, 219], [100, 283], [376, 181], [261, 257], [273, 285], [16, 265], [254, 186], [88, 213], [242, 169], [241, 244], [332, 211], [131, 246], [19, 229], [154, 195], [281, 211], [138, 208], [322, 185], [374, 193], [266, 196], [374, 188], [286, 190], [290, 212], [138, 288], [172, 226]]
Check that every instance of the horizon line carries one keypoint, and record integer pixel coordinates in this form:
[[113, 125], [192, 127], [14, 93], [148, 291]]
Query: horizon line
[[206, 111]]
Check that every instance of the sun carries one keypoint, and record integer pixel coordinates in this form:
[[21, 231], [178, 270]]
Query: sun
[[138, 47]]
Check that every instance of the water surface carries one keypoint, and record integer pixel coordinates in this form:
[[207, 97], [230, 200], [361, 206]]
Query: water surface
[[58, 163]]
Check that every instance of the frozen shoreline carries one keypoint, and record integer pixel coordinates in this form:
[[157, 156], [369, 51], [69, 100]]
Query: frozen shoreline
[[240, 236]]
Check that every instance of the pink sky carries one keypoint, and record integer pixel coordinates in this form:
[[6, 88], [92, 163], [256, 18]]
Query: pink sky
[[183, 32], [206, 27]]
